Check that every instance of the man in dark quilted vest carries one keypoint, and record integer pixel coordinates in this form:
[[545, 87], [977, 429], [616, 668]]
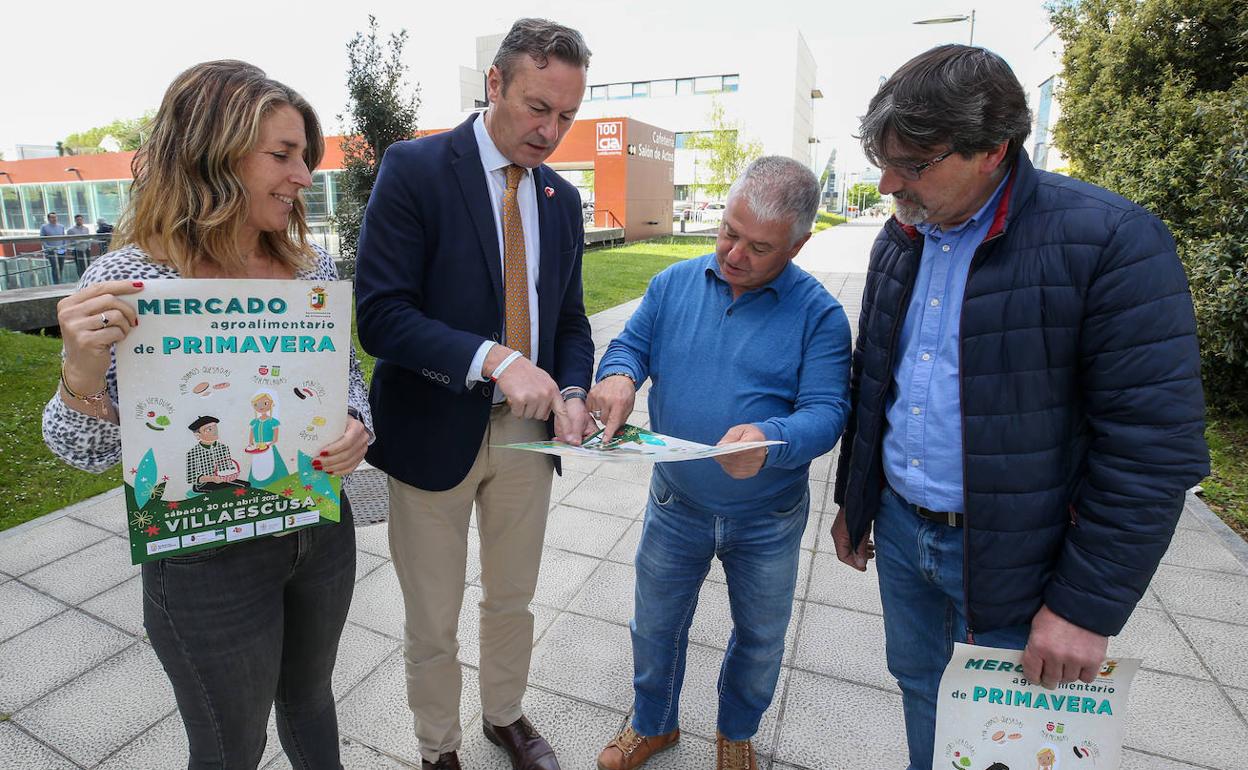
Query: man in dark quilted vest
[[1027, 409]]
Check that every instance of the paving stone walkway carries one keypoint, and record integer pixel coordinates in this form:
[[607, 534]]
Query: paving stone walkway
[[81, 688]]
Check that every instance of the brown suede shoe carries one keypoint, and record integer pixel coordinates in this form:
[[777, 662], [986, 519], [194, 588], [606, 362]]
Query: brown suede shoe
[[629, 750], [448, 761], [524, 745], [734, 755]]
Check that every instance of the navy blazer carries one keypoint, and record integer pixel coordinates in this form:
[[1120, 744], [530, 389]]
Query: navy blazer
[[429, 291]]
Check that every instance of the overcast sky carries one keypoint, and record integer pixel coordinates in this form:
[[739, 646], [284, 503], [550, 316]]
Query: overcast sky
[[72, 65]]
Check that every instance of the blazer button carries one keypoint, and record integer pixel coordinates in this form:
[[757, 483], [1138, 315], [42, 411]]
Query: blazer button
[[485, 390]]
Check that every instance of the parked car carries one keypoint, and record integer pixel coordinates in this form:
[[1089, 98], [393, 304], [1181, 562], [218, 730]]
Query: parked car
[[713, 211]]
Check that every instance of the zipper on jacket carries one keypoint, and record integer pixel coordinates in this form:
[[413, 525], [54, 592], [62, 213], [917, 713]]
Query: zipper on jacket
[[966, 508]]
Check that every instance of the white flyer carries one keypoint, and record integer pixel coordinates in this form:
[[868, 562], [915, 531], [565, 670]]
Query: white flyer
[[633, 444], [991, 717]]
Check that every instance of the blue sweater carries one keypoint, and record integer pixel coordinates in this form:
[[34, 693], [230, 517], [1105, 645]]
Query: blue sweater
[[777, 357]]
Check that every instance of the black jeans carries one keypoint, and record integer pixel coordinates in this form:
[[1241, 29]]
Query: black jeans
[[247, 625]]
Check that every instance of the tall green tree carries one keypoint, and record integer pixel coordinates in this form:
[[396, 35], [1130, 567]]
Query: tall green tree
[[1155, 107], [128, 133], [723, 155], [381, 110], [864, 195]]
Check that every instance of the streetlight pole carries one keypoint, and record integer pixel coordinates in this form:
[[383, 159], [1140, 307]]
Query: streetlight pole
[[954, 19]]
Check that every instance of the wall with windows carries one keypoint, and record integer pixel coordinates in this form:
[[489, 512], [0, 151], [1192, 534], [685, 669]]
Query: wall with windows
[[765, 90], [24, 207], [1041, 78]]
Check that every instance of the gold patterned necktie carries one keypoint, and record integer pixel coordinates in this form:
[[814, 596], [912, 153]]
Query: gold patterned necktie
[[515, 267]]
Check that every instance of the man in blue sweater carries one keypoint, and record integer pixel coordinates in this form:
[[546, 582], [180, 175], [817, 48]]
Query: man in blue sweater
[[1026, 386], [739, 345]]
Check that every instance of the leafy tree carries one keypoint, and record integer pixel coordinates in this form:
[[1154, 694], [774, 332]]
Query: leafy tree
[[723, 155], [864, 195], [129, 133], [380, 111], [1155, 107]]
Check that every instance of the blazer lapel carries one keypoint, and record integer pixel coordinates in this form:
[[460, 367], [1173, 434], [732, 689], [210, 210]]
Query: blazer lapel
[[472, 184]]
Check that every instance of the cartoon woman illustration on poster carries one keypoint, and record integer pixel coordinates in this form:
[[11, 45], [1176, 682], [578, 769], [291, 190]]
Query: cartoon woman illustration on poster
[[266, 461]]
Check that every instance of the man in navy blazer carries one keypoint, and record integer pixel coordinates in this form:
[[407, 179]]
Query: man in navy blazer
[[469, 293]]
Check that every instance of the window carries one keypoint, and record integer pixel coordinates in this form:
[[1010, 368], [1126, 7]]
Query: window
[[730, 82], [11, 210], [32, 200], [598, 92], [663, 88], [337, 190], [620, 91], [56, 198], [681, 138], [641, 90], [314, 201], [78, 201], [709, 85], [107, 201], [684, 86]]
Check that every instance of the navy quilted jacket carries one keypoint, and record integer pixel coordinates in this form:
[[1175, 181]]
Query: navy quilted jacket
[[1082, 410]]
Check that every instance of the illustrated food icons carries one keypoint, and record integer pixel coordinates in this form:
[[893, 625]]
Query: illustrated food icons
[[160, 423], [1001, 736], [303, 393], [205, 390]]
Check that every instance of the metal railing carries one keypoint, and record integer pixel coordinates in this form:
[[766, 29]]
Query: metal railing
[[28, 261]]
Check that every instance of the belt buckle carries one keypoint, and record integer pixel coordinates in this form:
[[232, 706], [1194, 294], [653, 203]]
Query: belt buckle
[[953, 518]]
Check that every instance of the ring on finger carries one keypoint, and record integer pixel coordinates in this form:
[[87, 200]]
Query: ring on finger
[[103, 320]]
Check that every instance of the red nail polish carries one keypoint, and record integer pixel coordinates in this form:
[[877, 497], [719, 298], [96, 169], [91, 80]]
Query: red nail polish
[[324, 454], [316, 464], [136, 322], [138, 284]]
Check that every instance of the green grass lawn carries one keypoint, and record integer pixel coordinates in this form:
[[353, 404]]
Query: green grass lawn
[[35, 482], [825, 220], [612, 276], [1226, 489]]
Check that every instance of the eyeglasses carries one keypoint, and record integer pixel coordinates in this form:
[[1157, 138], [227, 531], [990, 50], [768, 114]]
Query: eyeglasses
[[913, 172]]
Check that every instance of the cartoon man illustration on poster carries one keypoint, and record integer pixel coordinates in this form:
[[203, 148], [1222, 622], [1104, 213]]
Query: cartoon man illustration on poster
[[209, 466], [266, 460]]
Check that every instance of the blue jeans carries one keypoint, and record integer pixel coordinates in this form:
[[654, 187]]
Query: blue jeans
[[920, 568], [240, 627], [760, 554]]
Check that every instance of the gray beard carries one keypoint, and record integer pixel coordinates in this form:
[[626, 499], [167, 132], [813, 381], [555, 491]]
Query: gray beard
[[909, 212]]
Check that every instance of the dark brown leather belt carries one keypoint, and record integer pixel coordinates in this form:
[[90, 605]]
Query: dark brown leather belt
[[951, 518]]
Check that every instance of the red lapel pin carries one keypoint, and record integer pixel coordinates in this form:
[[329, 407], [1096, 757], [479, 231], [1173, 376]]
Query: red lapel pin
[[550, 192]]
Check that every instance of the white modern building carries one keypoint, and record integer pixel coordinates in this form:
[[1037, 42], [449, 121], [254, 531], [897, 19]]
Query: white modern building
[[767, 91], [1041, 81]]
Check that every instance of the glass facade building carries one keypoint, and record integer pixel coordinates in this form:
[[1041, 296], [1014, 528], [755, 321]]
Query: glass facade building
[[24, 207]]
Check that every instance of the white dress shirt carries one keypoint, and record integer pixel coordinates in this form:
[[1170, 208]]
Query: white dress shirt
[[495, 165]]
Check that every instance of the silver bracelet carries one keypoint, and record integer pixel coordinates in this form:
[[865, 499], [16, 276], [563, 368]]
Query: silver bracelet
[[503, 366]]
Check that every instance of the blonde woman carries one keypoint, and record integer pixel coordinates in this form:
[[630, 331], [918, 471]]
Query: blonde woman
[[216, 195], [262, 434]]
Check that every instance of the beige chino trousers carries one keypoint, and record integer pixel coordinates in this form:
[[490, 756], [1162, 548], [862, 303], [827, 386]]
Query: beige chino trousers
[[429, 545]]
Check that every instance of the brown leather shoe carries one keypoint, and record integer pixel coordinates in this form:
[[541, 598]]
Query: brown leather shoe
[[448, 761], [734, 755], [525, 746], [629, 749]]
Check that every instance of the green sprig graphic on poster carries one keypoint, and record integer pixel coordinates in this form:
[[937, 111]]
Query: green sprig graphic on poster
[[228, 390]]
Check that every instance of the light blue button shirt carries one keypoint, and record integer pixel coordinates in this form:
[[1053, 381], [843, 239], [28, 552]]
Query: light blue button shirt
[[923, 437]]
